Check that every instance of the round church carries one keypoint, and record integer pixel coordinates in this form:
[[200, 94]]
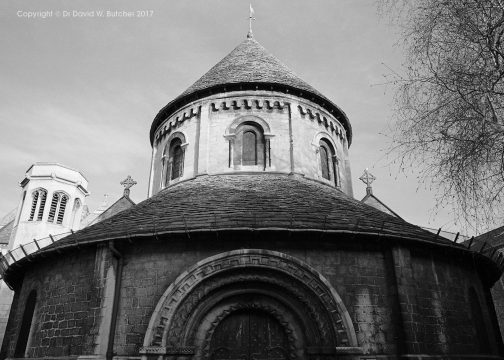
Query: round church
[[251, 246]]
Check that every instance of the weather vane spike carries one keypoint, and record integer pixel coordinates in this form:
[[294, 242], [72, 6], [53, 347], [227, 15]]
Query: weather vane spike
[[250, 35]]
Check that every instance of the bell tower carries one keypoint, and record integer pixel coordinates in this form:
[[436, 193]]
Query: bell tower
[[51, 202]]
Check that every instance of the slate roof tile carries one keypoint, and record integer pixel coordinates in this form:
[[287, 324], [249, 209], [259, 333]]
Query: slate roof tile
[[263, 201], [248, 64]]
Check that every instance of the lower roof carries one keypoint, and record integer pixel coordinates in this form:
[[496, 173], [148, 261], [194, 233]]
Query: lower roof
[[215, 204], [249, 201]]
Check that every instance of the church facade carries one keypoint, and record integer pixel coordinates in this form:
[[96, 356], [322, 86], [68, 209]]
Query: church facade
[[251, 246]]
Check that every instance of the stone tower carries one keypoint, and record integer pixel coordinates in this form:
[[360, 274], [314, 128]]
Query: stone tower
[[251, 114], [51, 202]]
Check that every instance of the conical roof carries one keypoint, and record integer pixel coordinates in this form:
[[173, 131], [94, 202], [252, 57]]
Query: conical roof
[[249, 62], [250, 66]]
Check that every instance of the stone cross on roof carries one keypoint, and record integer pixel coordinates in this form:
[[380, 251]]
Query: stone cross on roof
[[127, 183], [368, 178]]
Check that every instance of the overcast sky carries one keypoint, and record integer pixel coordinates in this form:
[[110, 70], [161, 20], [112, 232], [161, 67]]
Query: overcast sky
[[83, 91]]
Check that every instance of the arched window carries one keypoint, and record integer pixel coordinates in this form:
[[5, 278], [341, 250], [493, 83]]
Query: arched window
[[77, 205], [26, 322], [328, 162], [58, 205], [38, 203], [249, 148], [177, 157], [324, 162], [173, 161], [249, 145], [75, 210]]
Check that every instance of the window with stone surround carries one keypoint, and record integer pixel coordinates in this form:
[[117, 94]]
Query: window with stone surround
[[38, 203], [328, 162], [249, 145], [58, 206], [173, 160]]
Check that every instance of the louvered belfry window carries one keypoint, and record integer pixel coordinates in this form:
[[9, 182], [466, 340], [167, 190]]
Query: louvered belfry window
[[38, 204], [43, 197], [61, 212], [34, 204], [58, 206]]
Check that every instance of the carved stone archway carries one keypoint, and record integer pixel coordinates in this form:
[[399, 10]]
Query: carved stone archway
[[300, 298]]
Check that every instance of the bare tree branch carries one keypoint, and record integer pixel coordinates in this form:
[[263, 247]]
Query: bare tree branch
[[450, 102]]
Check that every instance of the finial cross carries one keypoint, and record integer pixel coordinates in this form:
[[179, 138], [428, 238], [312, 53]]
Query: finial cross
[[127, 183], [367, 178]]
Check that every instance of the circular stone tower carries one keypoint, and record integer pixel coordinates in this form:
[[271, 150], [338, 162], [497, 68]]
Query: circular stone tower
[[251, 246], [250, 114]]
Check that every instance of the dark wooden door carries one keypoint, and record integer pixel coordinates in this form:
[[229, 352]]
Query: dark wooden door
[[249, 335]]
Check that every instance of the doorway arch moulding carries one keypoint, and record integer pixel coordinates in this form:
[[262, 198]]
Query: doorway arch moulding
[[192, 302]]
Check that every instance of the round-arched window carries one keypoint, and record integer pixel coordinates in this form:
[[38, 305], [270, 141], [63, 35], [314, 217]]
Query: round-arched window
[[173, 161], [249, 145], [249, 148], [328, 162], [176, 158]]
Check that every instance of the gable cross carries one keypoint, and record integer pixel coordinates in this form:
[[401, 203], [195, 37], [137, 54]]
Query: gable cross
[[368, 178], [127, 183]]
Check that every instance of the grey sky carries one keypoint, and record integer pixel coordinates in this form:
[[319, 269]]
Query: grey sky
[[84, 91]]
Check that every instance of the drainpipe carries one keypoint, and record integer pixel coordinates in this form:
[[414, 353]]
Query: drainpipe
[[115, 304]]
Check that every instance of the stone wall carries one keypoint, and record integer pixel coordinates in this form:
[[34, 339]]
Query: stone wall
[[6, 296], [287, 119], [498, 298], [374, 281], [440, 316], [67, 307]]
